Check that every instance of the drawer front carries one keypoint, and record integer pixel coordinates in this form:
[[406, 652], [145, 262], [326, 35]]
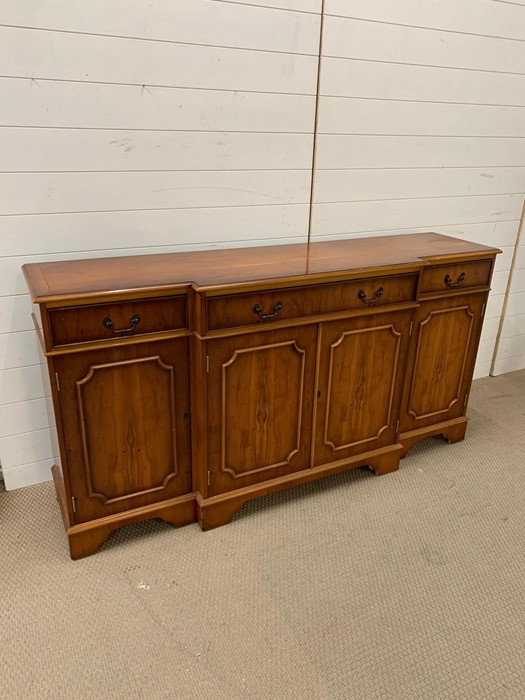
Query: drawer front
[[456, 276], [81, 324], [266, 306]]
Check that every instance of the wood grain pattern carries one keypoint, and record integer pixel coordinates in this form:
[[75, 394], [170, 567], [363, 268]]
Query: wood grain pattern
[[53, 281], [329, 357]]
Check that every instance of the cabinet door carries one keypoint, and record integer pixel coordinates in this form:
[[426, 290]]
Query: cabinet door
[[441, 360], [125, 420], [360, 381], [260, 396]]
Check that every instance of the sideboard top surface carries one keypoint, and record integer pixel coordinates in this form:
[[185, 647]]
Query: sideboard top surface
[[54, 281]]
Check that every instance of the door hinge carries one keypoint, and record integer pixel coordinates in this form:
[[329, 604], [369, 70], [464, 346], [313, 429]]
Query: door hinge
[[209, 477], [465, 400], [57, 381], [207, 363], [397, 427], [73, 501], [483, 310], [411, 326]]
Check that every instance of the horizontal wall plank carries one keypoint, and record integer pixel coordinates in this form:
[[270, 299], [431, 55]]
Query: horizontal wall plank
[[516, 304], [470, 16], [86, 105], [356, 217], [185, 21], [18, 349], [518, 280], [514, 325], [27, 474], [520, 257], [482, 369], [485, 350], [494, 306], [15, 314], [511, 346], [84, 57], [22, 235], [394, 81], [297, 5], [24, 448], [355, 116], [98, 150], [500, 233], [349, 38], [21, 384], [490, 329], [31, 193], [352, 185], [365, 151], [499, 281], [509, 364], [23, 417]]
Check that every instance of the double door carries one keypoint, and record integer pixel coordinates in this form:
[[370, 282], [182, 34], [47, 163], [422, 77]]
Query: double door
[[282, 401]]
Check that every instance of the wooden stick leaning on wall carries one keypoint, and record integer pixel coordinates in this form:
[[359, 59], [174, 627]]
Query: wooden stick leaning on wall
[[507, 290]]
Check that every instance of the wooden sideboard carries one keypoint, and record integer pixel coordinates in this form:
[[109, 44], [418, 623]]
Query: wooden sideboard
[[186, 384]]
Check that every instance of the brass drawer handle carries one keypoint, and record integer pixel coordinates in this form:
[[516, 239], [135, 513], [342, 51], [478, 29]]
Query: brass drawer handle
[[108, 323], [257, 309], [370, 302], [455, 285]]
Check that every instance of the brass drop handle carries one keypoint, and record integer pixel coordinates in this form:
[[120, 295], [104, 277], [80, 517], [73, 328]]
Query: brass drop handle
[[257, 309], [133, 321], [370, 302], [455, 285]]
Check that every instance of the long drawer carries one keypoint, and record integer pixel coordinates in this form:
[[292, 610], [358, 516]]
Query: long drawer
[[239, 310], [80, 324]]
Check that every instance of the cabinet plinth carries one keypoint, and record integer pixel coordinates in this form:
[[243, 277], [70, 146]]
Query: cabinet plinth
[[187, 384]]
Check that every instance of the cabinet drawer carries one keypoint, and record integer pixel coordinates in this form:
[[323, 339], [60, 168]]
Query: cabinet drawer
[[266, 306], [80, 324], [456, 276]]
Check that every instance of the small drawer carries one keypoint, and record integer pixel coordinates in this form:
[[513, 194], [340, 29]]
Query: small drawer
[[456, 276], [266, 306], [81, 324]]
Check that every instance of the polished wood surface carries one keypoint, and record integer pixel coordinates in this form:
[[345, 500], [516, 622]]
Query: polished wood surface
[[441, 359], [285, 304], [125, 419], [52, 281], [186, 384], [456, 276], [79, 324], [260, 397], [360, 363]]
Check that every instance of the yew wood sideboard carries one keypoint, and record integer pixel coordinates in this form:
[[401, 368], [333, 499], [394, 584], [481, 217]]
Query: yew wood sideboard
[[186, 384]]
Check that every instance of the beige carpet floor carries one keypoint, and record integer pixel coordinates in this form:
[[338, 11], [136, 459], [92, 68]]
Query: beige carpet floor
[[410, 585]]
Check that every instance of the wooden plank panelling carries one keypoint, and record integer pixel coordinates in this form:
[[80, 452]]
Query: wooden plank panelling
[[35, 193], [395, 81], [22, 235], [376, 41], [356, 116], [383, 151], [465, 16], [87, 105], [413, 183], [38, 150], [186, 21], [84, 57], [354, 217]]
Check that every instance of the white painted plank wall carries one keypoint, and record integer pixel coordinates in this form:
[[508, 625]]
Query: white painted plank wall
[[422, 127], [128, 128]]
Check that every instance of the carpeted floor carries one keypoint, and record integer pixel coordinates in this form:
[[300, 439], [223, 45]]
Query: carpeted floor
[[408, 586]]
